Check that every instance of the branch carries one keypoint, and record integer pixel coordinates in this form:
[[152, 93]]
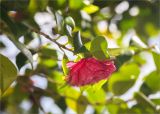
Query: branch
[[53, 40]]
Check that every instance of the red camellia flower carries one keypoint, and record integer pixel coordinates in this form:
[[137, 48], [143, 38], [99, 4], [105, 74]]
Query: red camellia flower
[[89, 71]]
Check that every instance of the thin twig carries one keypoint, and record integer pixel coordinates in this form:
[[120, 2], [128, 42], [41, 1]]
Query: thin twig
[[53, 40]]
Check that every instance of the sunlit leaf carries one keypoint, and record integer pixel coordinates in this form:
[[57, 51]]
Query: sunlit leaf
[[8, 73], [156, 58], [76, 4], [99, 48], [37, 5], [91, 9], [96, 96], [156, 101], [152, 81], [123, 80]]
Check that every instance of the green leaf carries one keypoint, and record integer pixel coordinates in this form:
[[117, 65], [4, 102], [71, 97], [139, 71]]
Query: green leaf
[[57, 4], [123, 80], [99, 48], [2, 45], [145, 89], [23, 49], [156, 58], [77, 43], [120, 51], [82, 103], [37, 5], [76, 4], [91, 9], [8, 73], [61, 103], [156, 101], [112, 108], [58, 77], [28, 38], [68, 30], [69, 21], [14, 28], [78, 105], [64, 66], [121, 59], [48, 53], [59, 20], [117, 106], [96, 96], [143, 100], [48, 63], [16, 31], [20, 60], [152, 81], [72, 98]]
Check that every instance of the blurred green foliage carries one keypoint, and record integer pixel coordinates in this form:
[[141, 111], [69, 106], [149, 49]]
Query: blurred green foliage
[[89, 26]]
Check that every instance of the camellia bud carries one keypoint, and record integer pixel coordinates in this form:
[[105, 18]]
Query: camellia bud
[[16, 15], [69, 21]]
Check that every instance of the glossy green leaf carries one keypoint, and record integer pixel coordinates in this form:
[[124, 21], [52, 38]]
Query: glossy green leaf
[[123, 80], [145, 89], [121, 59], [99, 48], [77, 43], [69, 21], [8, 73], [152, 81], [68, 30], [20, 60], [59, 20], [61, 103]]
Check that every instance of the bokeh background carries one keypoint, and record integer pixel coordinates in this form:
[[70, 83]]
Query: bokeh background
[[131, 29]]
